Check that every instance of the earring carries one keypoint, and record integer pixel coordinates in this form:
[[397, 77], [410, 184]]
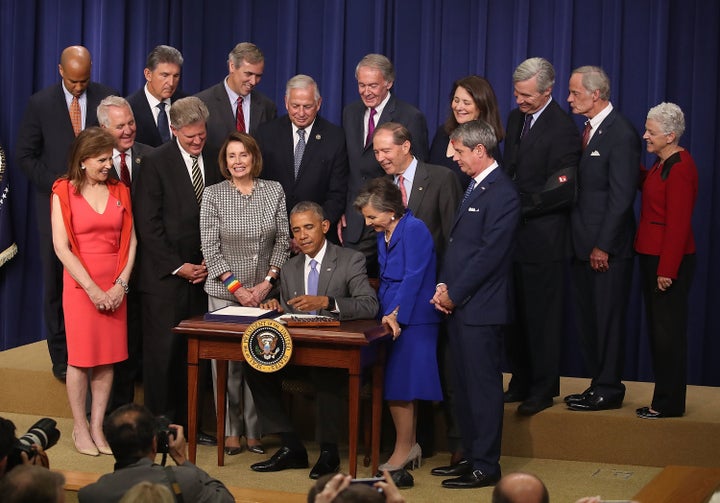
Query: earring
[[82, 166], [392, 218]]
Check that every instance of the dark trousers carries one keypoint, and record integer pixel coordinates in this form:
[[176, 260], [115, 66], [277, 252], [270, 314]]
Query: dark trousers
[[164, 352], [477, 379], [127, 372], [533, 342], [602, 301], [667, 316], [52, 298]]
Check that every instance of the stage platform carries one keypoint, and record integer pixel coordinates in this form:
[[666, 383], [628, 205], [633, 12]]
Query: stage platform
[[612, 453]]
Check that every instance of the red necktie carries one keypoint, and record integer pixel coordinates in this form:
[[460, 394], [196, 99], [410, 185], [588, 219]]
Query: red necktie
[[586, 134], [401, 186], [371, 127], [124, 171], [239, 117], [75, 117]]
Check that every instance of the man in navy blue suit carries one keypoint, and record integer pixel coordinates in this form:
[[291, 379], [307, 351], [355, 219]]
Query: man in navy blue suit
[[475, 289], [603, 230], [151, 103], [44, 139]]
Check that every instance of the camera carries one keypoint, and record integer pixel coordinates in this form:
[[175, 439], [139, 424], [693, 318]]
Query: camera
[[43, 433], [163, 431]]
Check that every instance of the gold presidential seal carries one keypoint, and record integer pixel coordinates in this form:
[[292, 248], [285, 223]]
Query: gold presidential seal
[[267, 345]]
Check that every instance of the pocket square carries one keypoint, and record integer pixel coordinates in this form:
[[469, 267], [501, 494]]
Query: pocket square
[[595, 153], [474, 210]]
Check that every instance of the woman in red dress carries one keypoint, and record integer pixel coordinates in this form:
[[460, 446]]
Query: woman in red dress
[[93, 236], [666, 246]]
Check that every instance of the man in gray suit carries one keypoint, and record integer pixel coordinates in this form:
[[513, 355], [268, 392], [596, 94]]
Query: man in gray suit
[[115, 114], [343, 292], [237, 92]]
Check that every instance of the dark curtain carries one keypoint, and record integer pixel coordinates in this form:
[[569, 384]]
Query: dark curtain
[[653, 50]]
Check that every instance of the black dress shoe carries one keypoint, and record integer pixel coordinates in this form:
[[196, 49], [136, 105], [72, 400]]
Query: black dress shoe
[[283, 459], [205, 439], [233, 451], [597, 402], [328, 462], [475, 478], [579, 397], [647, 413], [532, 407], [59, 370], [513, 396], [460, 468]]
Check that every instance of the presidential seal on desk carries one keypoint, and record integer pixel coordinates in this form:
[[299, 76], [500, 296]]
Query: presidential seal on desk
[[266, 345]]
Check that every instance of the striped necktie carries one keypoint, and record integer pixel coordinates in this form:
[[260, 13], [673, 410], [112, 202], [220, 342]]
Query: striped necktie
[[197, 180]]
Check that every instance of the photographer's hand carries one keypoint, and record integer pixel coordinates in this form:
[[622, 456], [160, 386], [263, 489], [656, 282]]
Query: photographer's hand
[[40, 458], [391, 491], [177, 444]]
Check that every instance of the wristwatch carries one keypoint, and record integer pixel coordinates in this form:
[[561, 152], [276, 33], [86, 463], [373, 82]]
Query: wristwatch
[[271, 279]]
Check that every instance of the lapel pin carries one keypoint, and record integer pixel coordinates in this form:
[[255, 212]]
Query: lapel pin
[[318, 137]]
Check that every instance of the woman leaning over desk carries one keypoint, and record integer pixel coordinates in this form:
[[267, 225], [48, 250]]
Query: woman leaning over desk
[[407, 281], [245, 238], [667, 256]]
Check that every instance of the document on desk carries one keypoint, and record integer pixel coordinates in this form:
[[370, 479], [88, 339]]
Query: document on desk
[[240, 314]]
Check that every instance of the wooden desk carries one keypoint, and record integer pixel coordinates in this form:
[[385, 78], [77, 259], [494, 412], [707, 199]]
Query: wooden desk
[[335, 347], [686, 484]]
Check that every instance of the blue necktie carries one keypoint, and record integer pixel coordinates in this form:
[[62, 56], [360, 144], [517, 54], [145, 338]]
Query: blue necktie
[[299, 151], [526, 126], [469, 190], [312, 280], [162, 122]]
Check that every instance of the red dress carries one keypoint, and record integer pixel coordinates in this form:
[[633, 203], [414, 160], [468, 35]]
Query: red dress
[[95, 337]]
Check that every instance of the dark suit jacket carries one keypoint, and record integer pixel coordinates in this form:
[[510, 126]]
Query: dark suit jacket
[[167, 216], [195, 484], [222, 119], [607, 183], [323, 170], [477, 263], [147, 131], [361, 158], [139, 151], [434, 199], [342, 275], [536, 165]]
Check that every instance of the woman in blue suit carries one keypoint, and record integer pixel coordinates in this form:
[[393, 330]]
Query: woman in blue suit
[[407, 282]]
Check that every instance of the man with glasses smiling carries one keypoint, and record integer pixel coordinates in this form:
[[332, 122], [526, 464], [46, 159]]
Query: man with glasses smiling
[[542, 151]]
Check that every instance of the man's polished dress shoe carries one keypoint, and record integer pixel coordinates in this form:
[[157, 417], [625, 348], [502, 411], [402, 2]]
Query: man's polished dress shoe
[[532, 407], [513, 396], [475, 478], [579, 397], [59, 370], [647, 413], [283, 459], [462, 467], [328, 462], [205, 439], [597, 402], [402, 478]]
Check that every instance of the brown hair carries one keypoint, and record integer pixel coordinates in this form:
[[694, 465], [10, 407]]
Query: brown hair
[[91, 142], [383, 195], [251, 147], [484, 97]]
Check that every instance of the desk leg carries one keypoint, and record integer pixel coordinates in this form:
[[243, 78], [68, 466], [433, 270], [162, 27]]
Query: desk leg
[[353, 412], [192, 411], [378, 372], [222, 372]]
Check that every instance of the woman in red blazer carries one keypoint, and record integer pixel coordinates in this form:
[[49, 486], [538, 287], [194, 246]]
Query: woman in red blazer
[[667, 255]]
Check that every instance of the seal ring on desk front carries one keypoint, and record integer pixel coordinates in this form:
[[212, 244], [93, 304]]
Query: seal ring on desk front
[[267, 345]]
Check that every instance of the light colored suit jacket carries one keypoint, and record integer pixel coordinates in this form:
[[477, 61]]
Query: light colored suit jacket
[[342, 275]]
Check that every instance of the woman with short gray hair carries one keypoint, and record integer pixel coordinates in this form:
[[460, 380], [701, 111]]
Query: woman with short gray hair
[[666, 247]]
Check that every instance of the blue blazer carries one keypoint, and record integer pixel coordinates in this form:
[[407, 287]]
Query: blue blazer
[[407, 272], [478, 258]]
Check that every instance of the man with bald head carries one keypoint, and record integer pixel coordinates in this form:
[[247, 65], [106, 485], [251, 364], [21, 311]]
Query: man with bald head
[[53, 118], [520, 488]]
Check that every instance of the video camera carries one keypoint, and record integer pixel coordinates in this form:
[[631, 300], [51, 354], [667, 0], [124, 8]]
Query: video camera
[[43, 433]]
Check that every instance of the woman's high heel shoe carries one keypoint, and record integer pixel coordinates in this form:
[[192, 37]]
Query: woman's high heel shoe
[[413, 460], [87, 452]]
